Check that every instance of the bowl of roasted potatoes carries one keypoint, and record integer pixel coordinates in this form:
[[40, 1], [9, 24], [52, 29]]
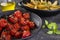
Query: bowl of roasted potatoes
[[42, 7]]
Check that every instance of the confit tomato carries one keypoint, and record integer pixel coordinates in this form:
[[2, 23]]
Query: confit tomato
[[18, 34], [0, 29], [9, 27], [17, 26], [26, 27], [26, 34], [18, 14], [3, 23], [22, 21], [13, 19], [27, 21], [4, 34], [31, 25], [13, 32], [8, 37], [26, 15]]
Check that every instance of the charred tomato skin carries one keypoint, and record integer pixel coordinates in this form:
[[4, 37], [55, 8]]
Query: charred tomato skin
[[26, 27], [31, 25], [26, 15], [3, 23], [18, 34], [17, 26], [9, 27], [18, 14], [13, 31], [22, 21], [8, 37], [26, 34], [12, 19], [0, 29]]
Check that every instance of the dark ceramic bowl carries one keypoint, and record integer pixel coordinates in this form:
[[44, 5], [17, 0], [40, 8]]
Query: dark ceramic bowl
[[35, 18], [41, 13], [1, 14]]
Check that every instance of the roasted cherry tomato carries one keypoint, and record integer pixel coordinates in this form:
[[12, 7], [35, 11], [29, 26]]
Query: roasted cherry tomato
[[18, 14], [9, 27], [17, 26], [3, 23], [27, 21], [13, 31], [8, 37], [4, 34], [26, 34], [26, 27], [13, 19], [18, 34], [26, 15], [22, 21], [0, 29], [31, 25]]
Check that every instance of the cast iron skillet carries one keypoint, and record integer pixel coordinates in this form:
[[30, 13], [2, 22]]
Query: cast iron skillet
[[41, 13], [35, 18]]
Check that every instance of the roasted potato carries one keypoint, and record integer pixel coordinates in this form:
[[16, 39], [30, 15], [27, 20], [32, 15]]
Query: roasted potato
[[43, 5]]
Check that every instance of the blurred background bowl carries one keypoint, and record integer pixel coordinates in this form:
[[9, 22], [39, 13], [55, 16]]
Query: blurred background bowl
[[42, 13]]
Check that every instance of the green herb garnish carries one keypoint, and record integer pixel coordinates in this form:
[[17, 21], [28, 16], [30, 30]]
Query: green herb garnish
[[52, 27]]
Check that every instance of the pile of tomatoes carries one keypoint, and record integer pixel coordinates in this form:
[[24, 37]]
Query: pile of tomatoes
[[17, 25]]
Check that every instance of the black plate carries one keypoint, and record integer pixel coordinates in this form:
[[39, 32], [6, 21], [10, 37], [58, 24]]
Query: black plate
[[41, 13], [35, 18]]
